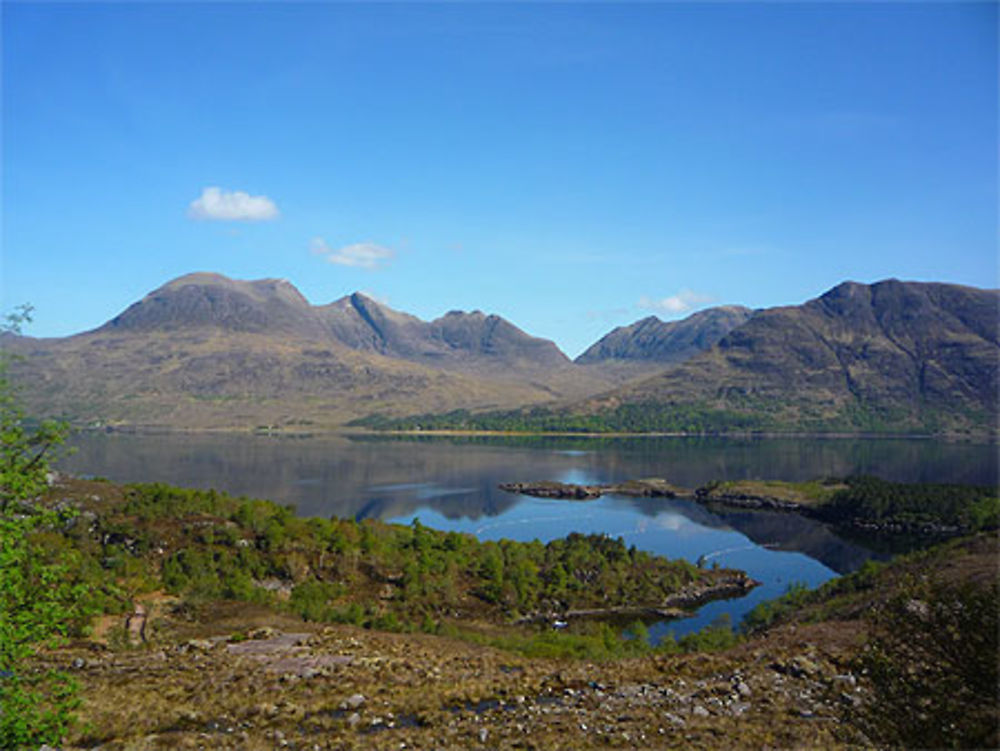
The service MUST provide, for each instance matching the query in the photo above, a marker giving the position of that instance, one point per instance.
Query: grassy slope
(205, 380)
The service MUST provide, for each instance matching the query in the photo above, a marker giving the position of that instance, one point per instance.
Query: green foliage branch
(39, 599)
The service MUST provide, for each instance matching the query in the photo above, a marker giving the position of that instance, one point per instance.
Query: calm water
(452, 484)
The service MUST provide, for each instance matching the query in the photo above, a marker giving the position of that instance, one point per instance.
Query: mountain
(207, 351)
(666, 342)
(459, 340)
(212, 301)
(456, 340)
(891, 355)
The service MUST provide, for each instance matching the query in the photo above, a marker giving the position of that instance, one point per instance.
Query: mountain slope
(887, 357)
(667, 342)
(457, 340)
(207, 351)
(905, 354)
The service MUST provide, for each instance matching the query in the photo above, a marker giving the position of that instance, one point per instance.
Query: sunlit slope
(207, 351)
(892, 354)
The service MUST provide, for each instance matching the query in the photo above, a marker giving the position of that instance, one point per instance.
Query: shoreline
(683, 604)
(350, 431)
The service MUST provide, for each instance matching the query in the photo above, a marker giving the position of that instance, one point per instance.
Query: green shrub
(931, 660)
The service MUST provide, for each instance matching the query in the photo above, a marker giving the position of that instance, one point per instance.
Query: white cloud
(683, 301)
(360, 255)
(217, 204)
(380, 299)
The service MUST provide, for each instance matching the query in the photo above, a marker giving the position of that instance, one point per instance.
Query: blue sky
(571, 167)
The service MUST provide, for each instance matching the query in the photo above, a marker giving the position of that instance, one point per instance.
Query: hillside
(892, 356)
(909, 354)
(666, 342)
(303, 641)
(205, 351)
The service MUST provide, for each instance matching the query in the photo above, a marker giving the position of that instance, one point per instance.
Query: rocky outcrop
(725, 586)
(554, 490)
(653, 487)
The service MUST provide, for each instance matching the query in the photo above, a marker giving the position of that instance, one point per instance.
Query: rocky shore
(814, 500)
(654, 487)
(679, 605)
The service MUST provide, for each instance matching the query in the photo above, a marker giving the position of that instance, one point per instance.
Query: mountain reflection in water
(452, 484)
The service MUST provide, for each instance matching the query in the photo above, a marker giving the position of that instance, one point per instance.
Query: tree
(24, 452)
(38, 599)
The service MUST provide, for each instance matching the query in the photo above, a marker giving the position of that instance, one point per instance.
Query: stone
(483, 735)
(743, 689)
(353, 701)
(699, 711)
(135, 624)
(850, 700)
(802, 666)
(739, 708)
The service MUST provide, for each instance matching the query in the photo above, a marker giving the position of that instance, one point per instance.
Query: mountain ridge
(651, 339)
(207, 351)
(204, 350)
(913, 353)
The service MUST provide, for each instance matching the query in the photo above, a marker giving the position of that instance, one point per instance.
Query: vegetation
(735, 414)
(932, 663)
(930, 657)
(639, 417)
(216, 546)
(914, 506)
(602, 640)
(40, 599)
(204, 546)
(827, 600)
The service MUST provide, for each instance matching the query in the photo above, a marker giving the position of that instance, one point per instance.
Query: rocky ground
(247, 678)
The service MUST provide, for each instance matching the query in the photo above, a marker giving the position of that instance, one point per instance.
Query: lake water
(451, 484)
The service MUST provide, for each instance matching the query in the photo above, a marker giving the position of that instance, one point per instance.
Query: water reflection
(452, 484)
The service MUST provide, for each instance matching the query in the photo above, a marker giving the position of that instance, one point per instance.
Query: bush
(931, 659)
(40, 600)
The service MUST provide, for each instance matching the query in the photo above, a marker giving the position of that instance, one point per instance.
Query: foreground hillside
(887, 357)
(203, 666)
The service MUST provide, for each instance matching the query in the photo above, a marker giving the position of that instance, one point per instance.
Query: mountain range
(206, 351)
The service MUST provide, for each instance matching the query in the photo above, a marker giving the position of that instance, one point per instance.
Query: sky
(571, 167)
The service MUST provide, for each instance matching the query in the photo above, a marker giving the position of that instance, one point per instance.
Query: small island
(866, 504)
(653, 487)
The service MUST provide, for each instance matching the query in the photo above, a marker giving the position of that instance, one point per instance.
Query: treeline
(639, 417)
(870, 501)
(205, 545)
(652, 416)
